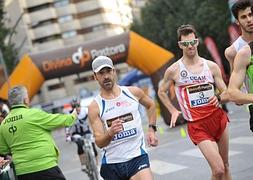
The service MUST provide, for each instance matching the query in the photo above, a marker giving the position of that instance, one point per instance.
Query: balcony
(45, 31)
(33, 3)
(43, 15)
(70, 25)
(65, 10)
(87, 6)
(73, 40)
(93, 20)
(106, 33)
(54, 44)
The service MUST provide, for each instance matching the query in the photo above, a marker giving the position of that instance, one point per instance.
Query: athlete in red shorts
(195, 80)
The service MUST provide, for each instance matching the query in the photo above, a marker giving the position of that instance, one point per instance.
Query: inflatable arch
(131, 48)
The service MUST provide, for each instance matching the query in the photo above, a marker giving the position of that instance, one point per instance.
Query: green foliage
(161, 18)
(8, 50)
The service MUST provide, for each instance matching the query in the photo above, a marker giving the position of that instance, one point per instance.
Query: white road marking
(197, 153)
(161, 167)
(248, 140)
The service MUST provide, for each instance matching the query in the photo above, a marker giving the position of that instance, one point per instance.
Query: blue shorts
(125, 170)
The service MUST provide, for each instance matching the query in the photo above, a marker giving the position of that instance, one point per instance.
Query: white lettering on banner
(77, 55)
(108, 51)
(82, 57)
(199, 95)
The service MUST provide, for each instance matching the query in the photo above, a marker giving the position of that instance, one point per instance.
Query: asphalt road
(176, 158)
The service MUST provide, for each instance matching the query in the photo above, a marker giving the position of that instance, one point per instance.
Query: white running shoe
(83, 168)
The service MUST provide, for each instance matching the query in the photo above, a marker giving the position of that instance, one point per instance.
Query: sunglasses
(187, 43)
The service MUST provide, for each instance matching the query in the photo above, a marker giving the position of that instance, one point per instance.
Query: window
(68, 34)
(98, 27)
(55, 86)
(60, 3)
(66, 18)
(84, 79)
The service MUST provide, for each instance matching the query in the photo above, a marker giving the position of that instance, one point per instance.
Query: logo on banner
(82, 57)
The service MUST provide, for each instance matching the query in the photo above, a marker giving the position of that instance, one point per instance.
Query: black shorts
(125, 170)
(251, 117)
(53, 173)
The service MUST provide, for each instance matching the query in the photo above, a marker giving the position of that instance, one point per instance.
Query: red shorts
(210, 128)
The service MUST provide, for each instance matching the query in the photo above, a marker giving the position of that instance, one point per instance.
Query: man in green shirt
(25, 133)
(243, 72)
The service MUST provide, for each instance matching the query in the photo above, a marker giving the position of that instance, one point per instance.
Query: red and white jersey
(193, 91)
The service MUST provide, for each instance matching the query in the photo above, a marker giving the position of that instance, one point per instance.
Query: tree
(161, 18)
(8, 49)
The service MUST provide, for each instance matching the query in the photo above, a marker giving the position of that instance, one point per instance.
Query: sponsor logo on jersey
(125, 134)
(183, 73)
(123, 103)
(13, 118)
(109, 109)
(197, 78)
(198, 102)
(125, 118)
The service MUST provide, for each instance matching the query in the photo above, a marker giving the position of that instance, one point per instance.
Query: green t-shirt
(26, 134)
(249, 71)
(249, 79)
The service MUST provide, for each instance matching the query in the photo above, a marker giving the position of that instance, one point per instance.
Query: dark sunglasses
(187, 43)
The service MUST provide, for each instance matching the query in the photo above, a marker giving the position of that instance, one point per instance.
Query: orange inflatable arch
(131, 48)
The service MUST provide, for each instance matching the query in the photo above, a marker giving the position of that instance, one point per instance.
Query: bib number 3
(199, 95)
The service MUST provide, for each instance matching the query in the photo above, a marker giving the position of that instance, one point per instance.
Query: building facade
(43, 25)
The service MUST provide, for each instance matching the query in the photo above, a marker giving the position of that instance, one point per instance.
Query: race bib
(199, 95)
(126, 118)
(129, 129)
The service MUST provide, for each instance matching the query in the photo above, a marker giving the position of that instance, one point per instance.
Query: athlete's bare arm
(149, 104)
(241, 63)
(219, 83)
(102, 136)
(230, 54)
(146, 101)
(170, 75)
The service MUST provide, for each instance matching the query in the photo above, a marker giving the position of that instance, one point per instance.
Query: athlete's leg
(223, 145)
(211, 152)
(139, 168)
(80, 152)
(143, 174)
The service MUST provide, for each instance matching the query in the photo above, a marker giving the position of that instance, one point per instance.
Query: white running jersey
(193, 92)
(239, 43)
(129, 143)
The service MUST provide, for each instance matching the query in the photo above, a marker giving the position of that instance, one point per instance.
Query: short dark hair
(240, 5)
(184, 30)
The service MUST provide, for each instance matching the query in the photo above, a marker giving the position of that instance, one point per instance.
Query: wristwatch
(153, 126)
(218, 97)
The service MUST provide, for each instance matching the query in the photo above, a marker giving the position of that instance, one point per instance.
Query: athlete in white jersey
(125, 107)
(189, 88)
(194, 78)
(117, 126)
(241, 10)
(79, 130)
(239, 43)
